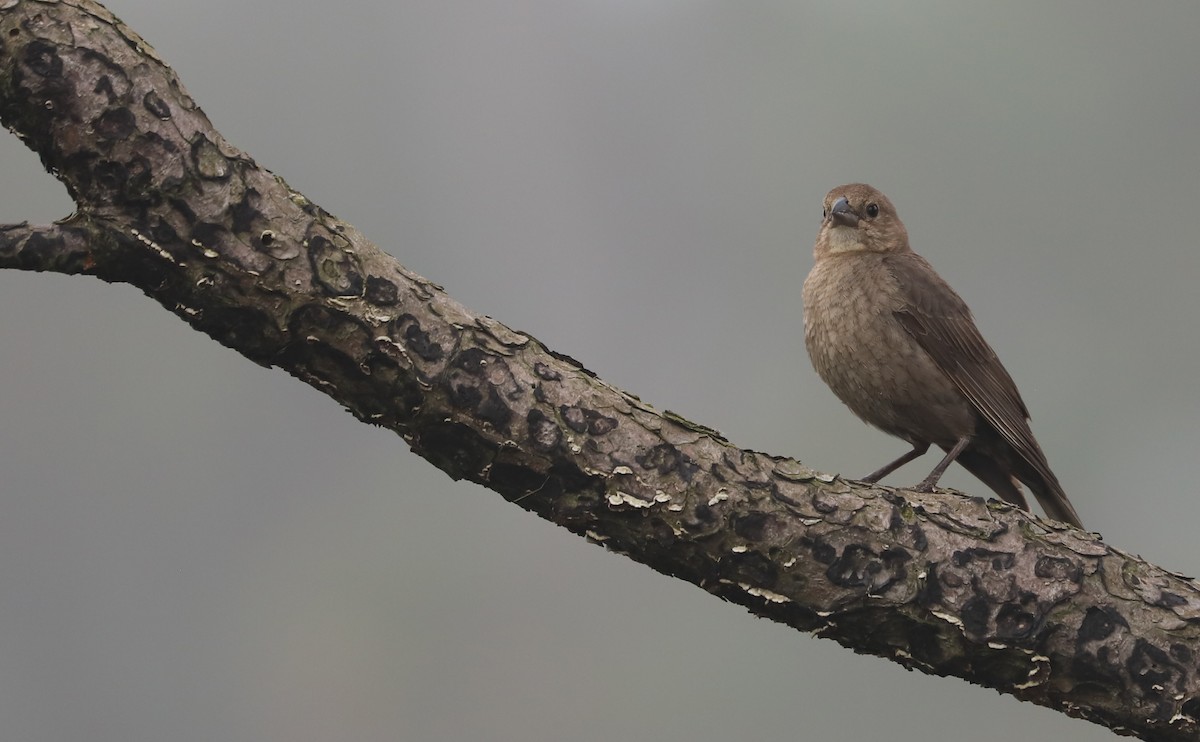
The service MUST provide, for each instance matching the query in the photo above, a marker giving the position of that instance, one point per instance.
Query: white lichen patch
(741, 549)
(949, 618)
(383, 341)
(617, 498)
(596, 536)
(721, 496)
(660, 496)
(1035, 675)
(152, 245)
(763, 593)
(622, 470)
(377, 318)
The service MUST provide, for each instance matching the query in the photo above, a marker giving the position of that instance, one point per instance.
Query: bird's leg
(918, 450)
(927, 484)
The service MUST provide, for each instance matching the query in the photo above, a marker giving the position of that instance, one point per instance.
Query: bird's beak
(842, 214)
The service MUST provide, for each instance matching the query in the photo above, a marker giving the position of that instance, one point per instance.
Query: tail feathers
(987, 470)
(1004, 482)
(1050, 496)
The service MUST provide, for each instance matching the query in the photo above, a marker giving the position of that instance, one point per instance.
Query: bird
(900, 348)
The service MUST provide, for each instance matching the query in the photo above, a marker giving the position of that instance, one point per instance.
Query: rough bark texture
(940, 583)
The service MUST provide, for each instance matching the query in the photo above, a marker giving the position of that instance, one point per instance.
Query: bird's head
(858, 218)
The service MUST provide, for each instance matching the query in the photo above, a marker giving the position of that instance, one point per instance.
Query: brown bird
(899, 347)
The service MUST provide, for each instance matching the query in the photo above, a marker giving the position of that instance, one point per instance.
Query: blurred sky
(196, 548)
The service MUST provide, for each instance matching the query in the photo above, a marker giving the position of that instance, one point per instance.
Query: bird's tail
(1004, 482)
(1050, 496)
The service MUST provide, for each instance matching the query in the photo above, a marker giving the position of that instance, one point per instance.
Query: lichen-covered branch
(937, 582)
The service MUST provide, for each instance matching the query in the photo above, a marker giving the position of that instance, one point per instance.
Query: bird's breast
(869, 360)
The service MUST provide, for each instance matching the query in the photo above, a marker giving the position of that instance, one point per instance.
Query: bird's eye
(872, 210)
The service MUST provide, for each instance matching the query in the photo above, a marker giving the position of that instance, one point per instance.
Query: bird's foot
(926, 485)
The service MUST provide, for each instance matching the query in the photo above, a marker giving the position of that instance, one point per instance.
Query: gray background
(196, 548)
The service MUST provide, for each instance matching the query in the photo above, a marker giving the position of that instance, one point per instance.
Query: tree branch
(58, 248)
(942, 583)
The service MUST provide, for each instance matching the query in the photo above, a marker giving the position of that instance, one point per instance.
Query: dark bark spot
(546, 373)
(39, 244)
(140, 171)
(1170, 600)
(919, 541)
(104, 87)
(245, 212)
(1099, 623)
(1000, 560)
(1149, 666)
(600, 424)
(123, 181)
(336, 271)
(156, 106)
(822, 504)
(468, 388)
(209, 161)
(752, 526)
(42, 59)
(573, 417)
(975, 614)
(417, 340)
(895, 558)
(382, 292)
(493, 410)
(209, 234)
(183, 208)
(1014, 622)
(1181, 653)
(544, 434)
(581, 419)
(663, 458)
(1057, 568)
(823, 551)
(162, 232)
(931, 593)
(858, 566)
(1191, 708)
(110, 176)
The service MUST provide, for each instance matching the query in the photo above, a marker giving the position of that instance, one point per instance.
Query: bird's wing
(939, 320)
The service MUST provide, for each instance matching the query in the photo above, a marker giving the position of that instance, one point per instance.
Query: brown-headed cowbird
(901, 350)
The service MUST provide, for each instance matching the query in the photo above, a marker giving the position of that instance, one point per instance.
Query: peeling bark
(941, 583)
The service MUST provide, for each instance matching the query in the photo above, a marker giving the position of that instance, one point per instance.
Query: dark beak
(842, 214)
